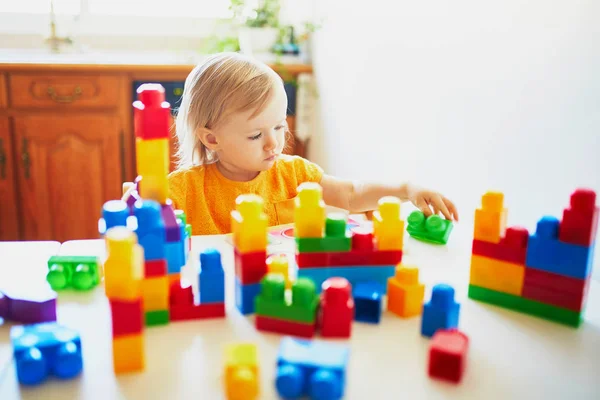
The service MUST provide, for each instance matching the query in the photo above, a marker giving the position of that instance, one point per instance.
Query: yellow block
(154, 187)
(278, 264)
(155, 292)
(404, 292)
(490, 219)
(309, 211)
(500, 276)
(388, 228)
(128, 354)
(124, 265)
(249, 224)
(152, 157)
(241, 372)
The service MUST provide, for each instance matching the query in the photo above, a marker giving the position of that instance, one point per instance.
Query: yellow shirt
(207, 197)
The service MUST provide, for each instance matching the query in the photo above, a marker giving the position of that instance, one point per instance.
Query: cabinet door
(9, 214)
(68, 167)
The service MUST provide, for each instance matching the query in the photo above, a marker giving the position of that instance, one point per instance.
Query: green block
(336, 225)
(180, 215)
(326, 244)
(160, 317)
(78, 272)
(433, 229)
(300, 307)
(188, 230)
(527, 306)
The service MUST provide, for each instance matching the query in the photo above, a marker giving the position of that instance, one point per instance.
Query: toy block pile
(242, 373)
(546, 274)
(78, 272)
(327, 248)
(249, 229)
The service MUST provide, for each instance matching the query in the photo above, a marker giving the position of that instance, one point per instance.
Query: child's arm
(360, 196)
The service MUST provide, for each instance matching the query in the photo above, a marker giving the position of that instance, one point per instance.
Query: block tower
(326, 248)
(546, 274)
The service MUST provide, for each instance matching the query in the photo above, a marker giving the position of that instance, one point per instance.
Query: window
(68, 7)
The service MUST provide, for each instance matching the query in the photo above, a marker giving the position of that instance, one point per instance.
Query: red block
(196, 311)
(155, 268)
(570, 301)
(348, 258)
(511, 248)
(284, 327)
(337, 308)
(362, 239)
(250, 267)
(127, 316)
(151, 113)
(448, 355)
(180, 295)
(554, 282)
(580, 221)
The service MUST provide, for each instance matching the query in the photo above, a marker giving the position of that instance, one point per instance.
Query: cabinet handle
(122, 154)
(25, 158)
(64, 99)
(2, 160)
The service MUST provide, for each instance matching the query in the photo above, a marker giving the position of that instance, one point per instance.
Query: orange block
(155, 292)
(241, 372)
(497, 275)
(128, 354)
(404, 292)
(490, 219)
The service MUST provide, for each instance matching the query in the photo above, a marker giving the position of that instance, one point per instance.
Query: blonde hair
(224, 84)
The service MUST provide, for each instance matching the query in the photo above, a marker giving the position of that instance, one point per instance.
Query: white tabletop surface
(511, 355)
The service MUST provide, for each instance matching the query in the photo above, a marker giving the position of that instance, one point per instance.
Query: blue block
(378, 273)
(175, 257)
(211, 277)
(244, 296)
(367, 302)
(441, 312)
(114, 213)
(150, 229)
(43, 349)
(311, 368)
(545, 252)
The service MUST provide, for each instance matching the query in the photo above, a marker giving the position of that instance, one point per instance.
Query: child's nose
(271, 142)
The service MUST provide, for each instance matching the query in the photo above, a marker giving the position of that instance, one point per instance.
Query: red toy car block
(448, 355)
(348, 258)
(196, 311)
(580, 221)
(250, 267)
(284, 327)
(155, 268)
(337, 308)
(554, 282)
(570, 301)
(151, 113)
(127, 316)
(511, 248)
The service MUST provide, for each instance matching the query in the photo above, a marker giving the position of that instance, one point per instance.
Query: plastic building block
(151, 113)
(123, 267)
(151, 229)
(311, 368)
(497, 275)
(580, 221)
(155, 292)
(175, 253)
(79, 272)
(278, 264)
(114, 213)
(242, 374)
(250, 267)
(388, 228)
(362, 239)
(555, 282)
(368, 303)
(432, 229)
(173, 225)
(128, 354)
(284, 326)
(182, 305)
(512, 247)
(531, 307)
(337, 237)
(43, 349)
(152, 157)
(249, 224)
(155, 268)
(354, 274)
(4, 306)
(126, 317)
(211, 277)
(404, 292)
(271, 302)
(156, 317)
(490, 219)
(554, 298)
(309, 211)
(348, 258)
(441, 312)
(245, 295)
(336, 311)
(27, 303)
(448, 355)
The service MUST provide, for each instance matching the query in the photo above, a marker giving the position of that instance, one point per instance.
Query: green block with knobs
(272, 301)
(432, 229)
(78, 272)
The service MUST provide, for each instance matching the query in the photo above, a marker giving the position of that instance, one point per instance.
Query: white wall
(463, 96)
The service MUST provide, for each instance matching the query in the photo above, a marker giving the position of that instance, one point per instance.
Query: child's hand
(426, 200)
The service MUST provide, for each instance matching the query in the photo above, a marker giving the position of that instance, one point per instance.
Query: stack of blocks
(327, 248)
(546, 274)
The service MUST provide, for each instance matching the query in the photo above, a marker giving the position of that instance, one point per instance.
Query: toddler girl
(231, 129)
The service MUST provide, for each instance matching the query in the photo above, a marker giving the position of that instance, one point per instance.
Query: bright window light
(69, 7)
(161, 8)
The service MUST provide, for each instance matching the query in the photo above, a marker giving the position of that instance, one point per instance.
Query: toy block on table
(242, 374)
(249, 224)
(490, 219)
(211, 277)
(405, 293)
(245, 295)
(174, 227)
(278, 264)
(175, 253)
(154, 268)
(353, 273)
(309, 211)
(43, 349)
(311, 369)
(580, 221)
(336, 311)
(78, 272)
(129, 353)
(150, 230)
(155, 293)
(301, 307)
(432, 229)
(511, 248)
(250, 267)
(337, 237)
(151, 113)
(114, 213)
(557, 290)
(497, 275)
(4, 305)
(368, 302)
(441, 312)
(27, 303)
(448, 355)
(388, 228)
(126, 316)
(183, 306)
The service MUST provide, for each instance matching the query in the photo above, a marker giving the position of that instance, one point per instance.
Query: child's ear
(208, 138)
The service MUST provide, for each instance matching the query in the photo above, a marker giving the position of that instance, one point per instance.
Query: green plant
(216, 44)
(266, 14)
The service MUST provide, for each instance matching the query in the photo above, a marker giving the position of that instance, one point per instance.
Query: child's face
(247, 146)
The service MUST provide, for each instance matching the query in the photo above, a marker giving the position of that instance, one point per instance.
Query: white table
(511, 355)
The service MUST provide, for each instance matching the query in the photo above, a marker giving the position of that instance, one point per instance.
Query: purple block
(30, 304)
(3, 306)
(171, 224)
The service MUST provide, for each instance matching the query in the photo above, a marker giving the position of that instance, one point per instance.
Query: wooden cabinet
(9, 217)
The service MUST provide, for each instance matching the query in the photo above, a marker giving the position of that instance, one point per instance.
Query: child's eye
(255, 136)
(279, 127)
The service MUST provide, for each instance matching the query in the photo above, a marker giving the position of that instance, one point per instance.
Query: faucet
(53, 40)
